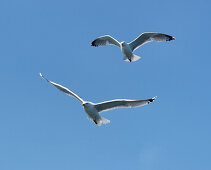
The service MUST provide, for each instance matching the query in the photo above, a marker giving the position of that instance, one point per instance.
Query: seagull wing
(120, 103)
(104, 40)
(148, 37)
(63, 89)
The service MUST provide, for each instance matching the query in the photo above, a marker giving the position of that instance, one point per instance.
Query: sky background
(42, 128)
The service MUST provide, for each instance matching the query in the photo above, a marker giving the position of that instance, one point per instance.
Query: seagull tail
(132, 59)
(100, 120)
(104, 120)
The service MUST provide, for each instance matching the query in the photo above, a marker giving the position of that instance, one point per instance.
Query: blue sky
(42, 128)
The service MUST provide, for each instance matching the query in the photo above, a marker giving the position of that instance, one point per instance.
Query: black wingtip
(152, 99)
(170, 38)
(94, 43)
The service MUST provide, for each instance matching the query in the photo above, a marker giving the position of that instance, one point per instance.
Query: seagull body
(128, 48)
(93, 114)
(93, 109)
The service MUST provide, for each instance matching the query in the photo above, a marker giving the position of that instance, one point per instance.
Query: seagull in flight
(93, 109)
(128, 48)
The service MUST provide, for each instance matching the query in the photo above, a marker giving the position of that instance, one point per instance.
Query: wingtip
(93, 43)
(171, 38)
(152, 99)
(43, 77)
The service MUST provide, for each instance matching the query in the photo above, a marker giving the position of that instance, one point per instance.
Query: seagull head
(86, 104)
(123, 43)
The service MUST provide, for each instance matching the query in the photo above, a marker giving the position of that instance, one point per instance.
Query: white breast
(126, 50)
(91, 110)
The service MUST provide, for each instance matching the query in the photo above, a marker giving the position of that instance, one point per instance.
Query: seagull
(93, 109)
(128, 48)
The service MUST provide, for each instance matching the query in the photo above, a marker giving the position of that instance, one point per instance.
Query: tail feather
(100, 120)
(132, 59)
(104, 120)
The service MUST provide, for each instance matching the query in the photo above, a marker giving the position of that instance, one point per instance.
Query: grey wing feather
(121, 103)
(63, 89)
(148, 37)
(104, 40)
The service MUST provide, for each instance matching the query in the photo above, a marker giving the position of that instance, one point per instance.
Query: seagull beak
(82, 104)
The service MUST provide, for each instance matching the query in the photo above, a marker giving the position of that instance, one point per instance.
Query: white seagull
(128, 48)
(93, 109)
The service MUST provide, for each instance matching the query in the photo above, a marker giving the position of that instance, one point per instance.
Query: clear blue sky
(42, 128)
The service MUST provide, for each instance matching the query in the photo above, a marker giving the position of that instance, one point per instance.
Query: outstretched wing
(104, 40)
(63, 89)
(148, 37)
(119, 103)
